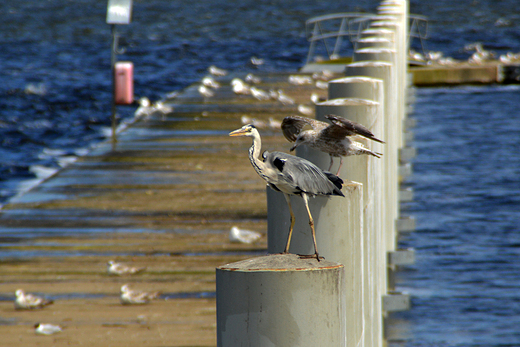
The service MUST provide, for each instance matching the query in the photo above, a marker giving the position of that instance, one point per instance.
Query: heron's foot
(310, 256)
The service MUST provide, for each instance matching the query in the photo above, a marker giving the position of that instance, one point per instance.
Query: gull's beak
(238, 132)
(293, 147)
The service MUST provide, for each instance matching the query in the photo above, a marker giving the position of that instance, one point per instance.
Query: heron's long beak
(238, 132)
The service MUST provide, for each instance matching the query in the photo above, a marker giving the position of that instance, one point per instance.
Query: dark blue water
(55, 96)
(466, 281)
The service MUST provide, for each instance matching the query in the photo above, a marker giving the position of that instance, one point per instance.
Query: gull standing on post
(292, 176)
(336, 139)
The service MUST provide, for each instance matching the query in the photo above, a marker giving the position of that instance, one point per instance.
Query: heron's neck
(254, 153)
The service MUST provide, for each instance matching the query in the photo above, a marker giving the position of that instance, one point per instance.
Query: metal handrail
(351, 24)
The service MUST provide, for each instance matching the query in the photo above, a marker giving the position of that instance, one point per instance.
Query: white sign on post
(119, 11)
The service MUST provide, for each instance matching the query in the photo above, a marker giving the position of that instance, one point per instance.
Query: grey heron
(336, 139)
(292, 176)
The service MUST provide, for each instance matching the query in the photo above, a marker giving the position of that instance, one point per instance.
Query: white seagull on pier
(26, 301)
(259, 94)
(46, 329)
(240, 87)
(114, 268)
(205, 91)
(215, 71)
(136, 297)
(210, 82)
(242, 235)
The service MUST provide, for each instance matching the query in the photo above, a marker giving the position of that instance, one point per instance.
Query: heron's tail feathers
(338, 183)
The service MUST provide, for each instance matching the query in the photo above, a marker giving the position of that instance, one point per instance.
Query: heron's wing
(293, 125)
(302, 175)
(352, 128)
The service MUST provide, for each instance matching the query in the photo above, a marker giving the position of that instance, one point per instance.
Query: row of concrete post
(280, 300)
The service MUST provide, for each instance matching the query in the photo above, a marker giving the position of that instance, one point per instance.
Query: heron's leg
(340, 163)
(331, 162)
(288, 199)
(311, 223)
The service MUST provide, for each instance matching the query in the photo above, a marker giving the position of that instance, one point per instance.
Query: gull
(322, 84)
(36, 89)
(300, 80)
(46, 328)
(257, 61)
(243, 236)
(172, 95)
(240, 87)
(274, 123)
(509, 57)
(162, 107)
(26, 301)
(415, 56)
(481, 55)
(257, 123)
(284, 98)
(130, 297)
(210, 82)
(215, 71)
(306, 110)
(253, 79)
(336, 139)
(315, 98)
(114, 268)
(324, 75)
(259, 93)
(205, 91)
(145, 108)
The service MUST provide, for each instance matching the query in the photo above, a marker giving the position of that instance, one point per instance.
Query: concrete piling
(281, 300)
(340, 238)
(358, 231)
(384, 71)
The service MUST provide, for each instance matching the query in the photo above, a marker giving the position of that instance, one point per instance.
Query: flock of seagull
(478, 57)
(128, 296)
(283, 172)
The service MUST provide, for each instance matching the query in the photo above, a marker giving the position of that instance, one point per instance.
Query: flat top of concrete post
(377, 31)
(374, 39)
(390, 10)
(279, 262)
(384, 23)
(348, 102)
(370, 63)
(356, 79)
(382, 17)
(393, 2)
(375, 50)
